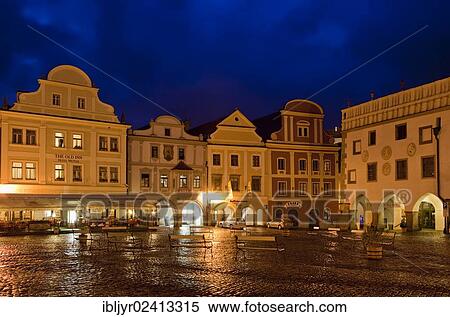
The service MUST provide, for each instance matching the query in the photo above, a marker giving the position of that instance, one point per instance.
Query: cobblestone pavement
(315, 265)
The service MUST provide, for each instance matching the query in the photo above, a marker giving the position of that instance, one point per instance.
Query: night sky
(202, 59)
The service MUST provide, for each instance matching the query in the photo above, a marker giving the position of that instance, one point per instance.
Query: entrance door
(427, 216)
(293, 216)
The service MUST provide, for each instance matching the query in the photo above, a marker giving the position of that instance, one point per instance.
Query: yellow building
(236, 160)
(59, 140)
(397, 157)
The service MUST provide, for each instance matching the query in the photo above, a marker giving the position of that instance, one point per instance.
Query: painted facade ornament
(365, 156)
(411, 149)
(386, 152)
(386, 169)
(168, 152)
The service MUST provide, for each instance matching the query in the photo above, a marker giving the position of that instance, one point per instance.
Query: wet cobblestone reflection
(315, 265)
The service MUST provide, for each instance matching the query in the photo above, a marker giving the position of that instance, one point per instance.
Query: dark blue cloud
(201, 59)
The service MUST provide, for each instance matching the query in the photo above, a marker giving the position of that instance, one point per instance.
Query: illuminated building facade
(59, 140)
(397, 157)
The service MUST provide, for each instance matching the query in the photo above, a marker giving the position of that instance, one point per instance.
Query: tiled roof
(206, 129)
(267, 125)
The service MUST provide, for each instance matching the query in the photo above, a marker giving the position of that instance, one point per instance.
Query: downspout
(437, 132)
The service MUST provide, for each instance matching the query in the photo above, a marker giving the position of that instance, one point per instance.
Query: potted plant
(404, 224)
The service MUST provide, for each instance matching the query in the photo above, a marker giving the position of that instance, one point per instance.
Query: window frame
(27, 169)
(422, 166)
(355, 151)
(376, 172)
(421, 129)
(369, 139)
(80, 179)
(27, 135)
(258, 189)
(349, 173)
(75, 139)
(283, 169)
(84, 103)
(256, 158)
(214, 156)
(280, 192)
(61, 171)
(153, 149)
(397, 170)
(231, 160)
(19, 135)
(18, 169)
(54, 94)
(63, 138)
(116, 149)
(397, 136)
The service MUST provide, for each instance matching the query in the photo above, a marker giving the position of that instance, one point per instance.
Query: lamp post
(436, 132)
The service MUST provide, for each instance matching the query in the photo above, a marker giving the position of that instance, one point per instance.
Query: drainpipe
(437, 132)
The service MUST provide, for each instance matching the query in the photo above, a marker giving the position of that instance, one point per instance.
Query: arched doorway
(249, 216)
(430, 212)
(390, 212)
(293, 216)
(363, 212)
(192, 214)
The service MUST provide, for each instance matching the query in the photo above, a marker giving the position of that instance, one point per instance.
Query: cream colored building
(59, 140)
(392, 160)
(165, 159)
(236, 160)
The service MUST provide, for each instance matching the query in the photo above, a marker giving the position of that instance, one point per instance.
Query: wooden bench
(128, 242)
(199, 230)
(257, 243)
(387, 239)
(177, 241)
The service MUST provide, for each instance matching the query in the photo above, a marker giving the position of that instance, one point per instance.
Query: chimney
(372, 95)
(402, 85)
(5, 105)
(122, 118)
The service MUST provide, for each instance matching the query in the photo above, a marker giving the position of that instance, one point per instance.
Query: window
(371, 172)
(183, 181)
(181, 154)
(303, 188)
(372, 139)
(145, 180)
(281, 164)
(356, 147)
(81, 103)
(327, 189)
(16, 170)
(426, 135)
(155, 151)
(315, 188)
(30, 137)
(59, 172)
(327, 167)
(216, 182)
(167, 132)
(401, 131)
(77, 141)
(302, 165)
(56, 100)
(302, 131)
(164, 181)
(76, 173)
(315, 165)
(234, 160)
(17, 136)
(103, 143)
(234, 179)
(351, 179)
(197, 181)
(278, 214)
(103, 174)
(30, 171)
(114, 144)
(114, 174)
(401, 169)
(256, 161)
(59, 139)
(428, 166)
(216, 159)
(282, 188)
(256, 183)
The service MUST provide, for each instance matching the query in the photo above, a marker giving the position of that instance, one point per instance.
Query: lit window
(56, 100)
(59, 172)
(315, 188)
(59, 139)
(303, 188)
(30, 171)
(282, 188)
(351, 177)
(114, 174)
(17, 136)
(30, 137)
(183, 181)
(103, 174)
(164, 181)
(103, 143)
(16, 170)
(357, 147)
(145, 180)
(114, 144)
(327, 167)
(77, 141)
(234, 160)
(81, 103)
(196, 181)
(76, 173)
